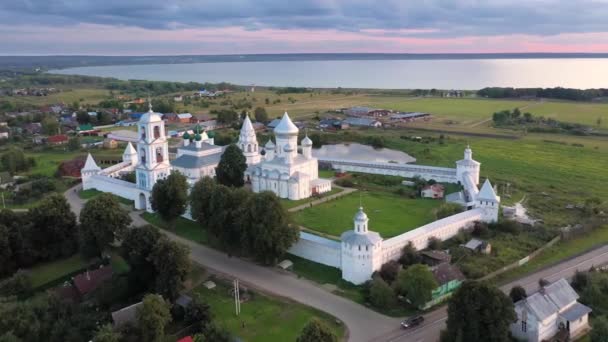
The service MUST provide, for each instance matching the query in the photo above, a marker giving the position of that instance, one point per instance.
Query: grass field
(187, 229)
(262, 318)
(81, 94)
(389, 214)
(557, 252)
(291, 204)
(48, 161)
(49, 271)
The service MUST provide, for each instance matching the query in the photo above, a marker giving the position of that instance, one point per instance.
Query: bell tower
(152, 150)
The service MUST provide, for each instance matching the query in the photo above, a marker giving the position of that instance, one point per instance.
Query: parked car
(412, 322)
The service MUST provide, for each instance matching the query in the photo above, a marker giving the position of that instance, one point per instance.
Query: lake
(383, 74)
(354, 151)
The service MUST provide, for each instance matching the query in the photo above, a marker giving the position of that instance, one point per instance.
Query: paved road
(363, 324)
(435, 321)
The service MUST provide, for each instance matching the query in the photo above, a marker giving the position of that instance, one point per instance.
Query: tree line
(551, 93)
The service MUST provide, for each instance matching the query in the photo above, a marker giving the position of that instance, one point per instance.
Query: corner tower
(361, 251)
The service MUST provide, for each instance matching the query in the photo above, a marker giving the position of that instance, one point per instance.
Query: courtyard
(389, 214)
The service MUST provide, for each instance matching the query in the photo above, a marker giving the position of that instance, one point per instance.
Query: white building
(552, 310)
(198, 157)
(248, 143)
(284, 171)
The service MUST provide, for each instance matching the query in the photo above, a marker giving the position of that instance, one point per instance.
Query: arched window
(143, 132)
(159, 154)
(156, 132)
(249, 148)
(143, 156)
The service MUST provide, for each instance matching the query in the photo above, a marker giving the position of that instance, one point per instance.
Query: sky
(182, 27)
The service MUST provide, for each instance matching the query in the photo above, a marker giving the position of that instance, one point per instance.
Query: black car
(412, 322)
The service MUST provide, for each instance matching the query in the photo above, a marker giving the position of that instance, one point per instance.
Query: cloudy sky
(171, 27)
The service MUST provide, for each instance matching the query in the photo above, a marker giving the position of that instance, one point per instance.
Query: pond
(359, 152)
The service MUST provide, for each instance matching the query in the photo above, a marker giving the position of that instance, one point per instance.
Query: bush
(409, 255)
(380, 294)
(447, 209)
(506, 226)
(389, 271)
(434, 243)
(19, 284)
(345, 182)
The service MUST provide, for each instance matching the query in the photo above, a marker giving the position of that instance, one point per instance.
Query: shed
(286, 264)
(125, 315)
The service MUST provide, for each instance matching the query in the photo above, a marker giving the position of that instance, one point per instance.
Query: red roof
(186, 339)
(57, 138)
(88, 281)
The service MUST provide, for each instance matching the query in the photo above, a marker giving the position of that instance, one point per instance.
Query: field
(68, 95)
(48, 161)
(46, 272)
(389, 214)
(262, 319)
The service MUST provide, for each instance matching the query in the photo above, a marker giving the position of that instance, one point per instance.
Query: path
(344, 192)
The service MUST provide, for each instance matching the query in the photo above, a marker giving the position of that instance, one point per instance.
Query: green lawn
(389, 214)
(185, 228)
(49, 271)
(48, 161)
(262, 318)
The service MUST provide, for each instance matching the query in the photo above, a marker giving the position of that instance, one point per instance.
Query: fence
(522, 261)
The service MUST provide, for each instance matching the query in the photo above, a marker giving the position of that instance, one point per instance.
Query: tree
(517, 293)
(380, 294)
(53, 232)
(317, 331)
(409, 255)
(7, 265)
(434, 243)
(599, 333)
(479, 312)
(172, 264)
(417, 284)
(74, 143)
(200, 199)
(261, 115)
(231, 168)
(227, 116)
(213, 332)
(137, 246)
(447, 209)
(170, 197)
(152, 317)
(102, 220)
(106, 333)
(198, 312)
(50, 126)
(267, 232)
(14, 161)
(389, 271)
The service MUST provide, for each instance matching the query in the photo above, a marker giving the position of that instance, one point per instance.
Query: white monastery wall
(443, 229)
(115, 186)
(440, 174)
(318, 249)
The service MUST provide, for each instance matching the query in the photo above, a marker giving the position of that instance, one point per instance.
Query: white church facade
(283, 170)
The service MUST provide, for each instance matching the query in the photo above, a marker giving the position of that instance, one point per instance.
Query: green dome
(197, 137)
(198, 129)
(211, 134)
(186, 136)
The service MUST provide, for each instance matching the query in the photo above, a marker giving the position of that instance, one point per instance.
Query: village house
(551, 312)
(184, 117)
(433, 191)
(33, 128)
(170, 117)
(178, 98)
(59, 139)
(357, 111)
(478, 246)
(449, 278)
(434, 258)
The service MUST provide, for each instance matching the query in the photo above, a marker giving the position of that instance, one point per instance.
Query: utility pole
(237, 298)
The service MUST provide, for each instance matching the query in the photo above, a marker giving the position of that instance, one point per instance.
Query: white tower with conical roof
(489, 201)
(361, 251)
(90, 169)
(152, 151)
(248, 142)
(286, 133)
(130, 155)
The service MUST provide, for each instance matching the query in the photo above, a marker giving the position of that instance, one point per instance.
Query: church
(278, 168)
(285, 171)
